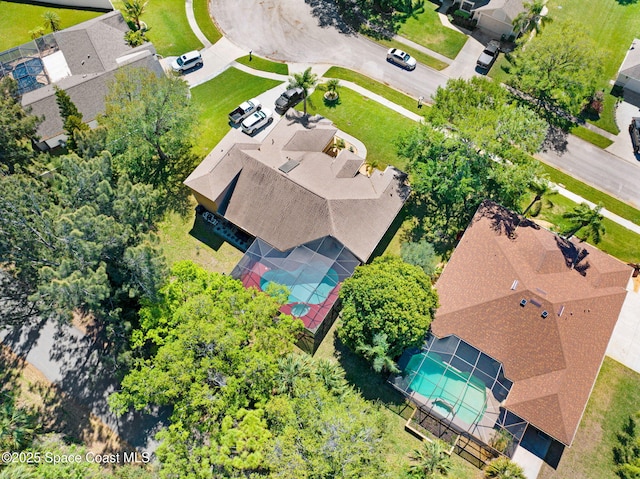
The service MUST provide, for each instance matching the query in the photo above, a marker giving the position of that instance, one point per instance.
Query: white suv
(187, 61)
(253, 123)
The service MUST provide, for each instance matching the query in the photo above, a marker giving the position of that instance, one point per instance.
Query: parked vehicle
(256, 121)
(288, 99)
(489, 55)
(634, 131)
(401, 58)
(187, 61)
(244, 110)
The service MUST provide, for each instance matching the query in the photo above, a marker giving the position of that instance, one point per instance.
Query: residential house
(495, 17)
(629, 72)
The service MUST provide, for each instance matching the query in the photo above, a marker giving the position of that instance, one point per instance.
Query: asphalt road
(299, 32)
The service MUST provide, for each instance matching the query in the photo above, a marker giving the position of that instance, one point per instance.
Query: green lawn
(201, 12)
(375, 125)
(374, 387)
(264, 64)
(591, 136)
(376, 87)
(17, 19)
(615, 397)
(418, 55)
(427, 30)
(218, 97)
(169, 29)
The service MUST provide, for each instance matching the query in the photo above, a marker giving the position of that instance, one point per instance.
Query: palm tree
(134, 9)
(503, 468)
(532, 17)
(332, 86)
(291, 369)
(543, 190)
(305, 80)
(432, 461)
(331, 375)
(378, 354)
(52, 20)
(17, 426)
(583, 216)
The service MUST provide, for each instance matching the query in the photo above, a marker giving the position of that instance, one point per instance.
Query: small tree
(420, 254)
(71, 117)
(305, 80)
(52, 20)
(134, 10)
(582, 216)
(332, 86)
(377, 354)
(503, 468)
(432, 461)
(531, 18)
(37, 32)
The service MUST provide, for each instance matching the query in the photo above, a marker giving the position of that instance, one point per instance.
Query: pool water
(451, 392)
(307, 285)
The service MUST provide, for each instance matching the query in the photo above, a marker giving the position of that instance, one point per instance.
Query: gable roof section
(631, 63)
(322, 196)
(553, 361)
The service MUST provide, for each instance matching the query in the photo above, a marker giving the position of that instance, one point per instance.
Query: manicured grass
(500, 69)
(592, 194)
(169, 29)
(375, 125)
(185, 238)
(419, 56)
(264, 65)
(427, 30)
(591, 136)
(607, 119)
(217, 97)
(17, 19)
(615, 397)
(618, 241)
(201, 12)
(376, 87)
(397, 410)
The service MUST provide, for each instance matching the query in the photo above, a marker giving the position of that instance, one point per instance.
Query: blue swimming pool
(307, 284)
(451, 392)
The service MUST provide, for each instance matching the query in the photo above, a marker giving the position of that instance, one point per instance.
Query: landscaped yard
(17, 19)
(427, 30)
(201, 12)
(218, 97)
(169, 29)
(264, 65)
(615, 397)
(375, 125)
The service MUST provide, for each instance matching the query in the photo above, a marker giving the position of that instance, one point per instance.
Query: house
(82, 60)
(310, 210)
(629, 72)
(524, 321)
(495, 17)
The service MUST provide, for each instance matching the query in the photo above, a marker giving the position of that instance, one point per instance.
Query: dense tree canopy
(626, 453)
(387, 297)
(560, 67)
(17, 128)
(450, 178)
(483, 112)
(150, 126)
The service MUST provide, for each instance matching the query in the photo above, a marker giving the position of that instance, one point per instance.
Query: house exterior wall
(493, 25)
(206, 202)
(631, 84)
(93, 4)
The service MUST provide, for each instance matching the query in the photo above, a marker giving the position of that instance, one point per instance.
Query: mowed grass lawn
(17, 19)
(375, 125)
(258, 63)
(219, 96)
(615, 397)
(427, 30)
(169, 29)
(201, 12)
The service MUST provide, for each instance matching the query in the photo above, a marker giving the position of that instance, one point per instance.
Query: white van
(187, 61)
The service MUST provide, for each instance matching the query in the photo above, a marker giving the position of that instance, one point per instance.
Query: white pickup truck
(244, 110)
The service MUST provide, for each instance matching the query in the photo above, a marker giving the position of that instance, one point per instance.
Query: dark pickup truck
(489, 55)
(244, 110)
(634, 131)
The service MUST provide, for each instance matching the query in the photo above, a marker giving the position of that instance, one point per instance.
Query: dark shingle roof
(553, 361)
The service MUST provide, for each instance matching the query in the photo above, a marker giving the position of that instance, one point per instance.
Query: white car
(187, 61)
(256, 121)
(401, 58)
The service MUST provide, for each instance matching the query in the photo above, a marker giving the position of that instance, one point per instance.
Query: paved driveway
(295, 31)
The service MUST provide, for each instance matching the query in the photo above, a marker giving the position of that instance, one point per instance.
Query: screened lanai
(26, 63)
(312, 273)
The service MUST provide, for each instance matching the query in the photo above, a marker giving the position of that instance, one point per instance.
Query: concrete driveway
(295, 31)
(622, 146)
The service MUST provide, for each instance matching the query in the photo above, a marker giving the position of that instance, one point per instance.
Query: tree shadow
(573, 255)
(556, 140)
(329, 16)
(627, 2)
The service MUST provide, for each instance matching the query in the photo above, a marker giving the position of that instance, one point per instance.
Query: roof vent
(561, 311)
(544, 314)
(514, 285)
(523, 302)
(288, 166)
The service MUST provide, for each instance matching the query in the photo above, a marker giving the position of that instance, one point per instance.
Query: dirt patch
(57, 412)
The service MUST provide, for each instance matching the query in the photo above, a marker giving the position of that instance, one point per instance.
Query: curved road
(295, 31)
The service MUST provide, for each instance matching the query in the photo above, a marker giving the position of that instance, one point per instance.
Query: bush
(135, 38)
(462, 14)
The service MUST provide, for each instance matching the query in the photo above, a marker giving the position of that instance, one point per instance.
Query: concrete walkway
(194, 25)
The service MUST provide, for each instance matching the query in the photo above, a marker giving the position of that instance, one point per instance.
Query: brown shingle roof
(552, 361)
(313, 200)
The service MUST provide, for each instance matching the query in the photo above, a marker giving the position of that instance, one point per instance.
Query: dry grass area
(57, 411)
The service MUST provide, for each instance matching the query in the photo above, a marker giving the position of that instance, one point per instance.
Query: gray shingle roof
(631, 63)
(311, 201)
(511, 8)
